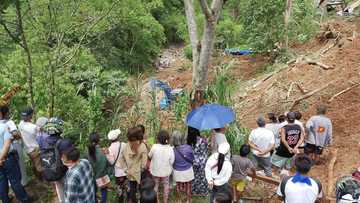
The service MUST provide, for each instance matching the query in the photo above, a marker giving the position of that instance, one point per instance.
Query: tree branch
(206, 10)
(96, 21)
(192, 27)
(216, 7)
(11, 35)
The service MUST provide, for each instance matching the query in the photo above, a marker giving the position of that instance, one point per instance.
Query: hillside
(337, 48)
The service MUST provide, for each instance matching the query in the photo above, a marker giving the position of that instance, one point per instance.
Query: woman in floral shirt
(200, 147)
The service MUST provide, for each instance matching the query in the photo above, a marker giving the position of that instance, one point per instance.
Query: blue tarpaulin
(237, 51)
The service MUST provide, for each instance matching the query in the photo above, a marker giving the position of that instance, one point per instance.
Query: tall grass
(220, 91)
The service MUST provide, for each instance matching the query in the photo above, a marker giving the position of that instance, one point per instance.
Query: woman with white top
(113, 154)
(162, 159)
(218, 170)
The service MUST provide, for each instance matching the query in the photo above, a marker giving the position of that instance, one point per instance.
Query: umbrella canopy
(210, 116)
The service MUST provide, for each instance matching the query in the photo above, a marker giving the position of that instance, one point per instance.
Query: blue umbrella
(210, 116)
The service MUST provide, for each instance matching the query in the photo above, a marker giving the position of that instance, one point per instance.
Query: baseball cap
(114, 134)
(27, 112)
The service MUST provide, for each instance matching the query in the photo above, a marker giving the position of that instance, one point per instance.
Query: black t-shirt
(292, 137)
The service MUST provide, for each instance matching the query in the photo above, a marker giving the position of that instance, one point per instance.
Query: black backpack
(347, 185)
(53, 168)
(287, 178)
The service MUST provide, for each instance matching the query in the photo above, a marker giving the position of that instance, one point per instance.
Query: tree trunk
(193, 34)
(25, 46)
(286, 21)
(202, 51)
(52, 90)
(201, 71)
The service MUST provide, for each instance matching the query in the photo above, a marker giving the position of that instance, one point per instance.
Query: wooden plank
(331, 165)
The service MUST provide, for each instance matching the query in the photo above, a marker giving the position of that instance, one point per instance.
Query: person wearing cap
(114, 154)
(79, 179)
(42, 135)
(29, 132)
(262, 142)
(218, 170)
(17, 143)
(319, 128)
(9, 168)
(54, 128)
(291, 139)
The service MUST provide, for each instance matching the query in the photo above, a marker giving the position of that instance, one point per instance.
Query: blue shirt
(4, 135)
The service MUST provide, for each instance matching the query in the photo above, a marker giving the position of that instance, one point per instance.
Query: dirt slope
(274, 94)
(344, 110)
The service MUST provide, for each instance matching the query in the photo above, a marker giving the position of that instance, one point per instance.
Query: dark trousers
(10, 172)
(217, 189)
(103, 192)
(133, 187)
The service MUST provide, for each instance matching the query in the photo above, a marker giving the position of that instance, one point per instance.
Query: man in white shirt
(300, 188)
(262, 141)
(29, 131)
(17, 143)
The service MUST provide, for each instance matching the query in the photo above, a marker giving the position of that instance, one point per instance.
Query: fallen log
(330, 186)
(337, 39)
(266, 179)
(343, 91)
(297, 101)
(323, 66)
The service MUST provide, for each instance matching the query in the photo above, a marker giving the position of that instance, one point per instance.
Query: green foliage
(263, 27)
(152, 117)
(188, 52)
(263, 23)
(181, 106)
(228, 33)
(221, 89)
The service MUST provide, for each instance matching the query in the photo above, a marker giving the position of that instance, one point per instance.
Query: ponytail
(94, 140)
(220, 163)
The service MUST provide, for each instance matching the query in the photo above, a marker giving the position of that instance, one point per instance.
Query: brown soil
(271, 94)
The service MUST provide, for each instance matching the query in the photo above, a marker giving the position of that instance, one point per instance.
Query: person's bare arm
(302, 137)
(283, 139)
(5, 151)
(252, 145)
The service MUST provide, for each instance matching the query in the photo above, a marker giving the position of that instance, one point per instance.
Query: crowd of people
(147, 173)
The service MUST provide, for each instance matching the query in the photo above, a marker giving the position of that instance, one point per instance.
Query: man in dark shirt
(291, 139)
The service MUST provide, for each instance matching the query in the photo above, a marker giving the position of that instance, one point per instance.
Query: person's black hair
(148, 196)
(73, 154)
(281, 118)
(4, 110)
(321, 109)
(163, 137)
(298, 115)
(134, 134)
(94, 140)
(220, 163)
(192, 136)
(303, 163)
(147, 183)
(224, 196)
(142, 128)
(244, 150)
(291, 117)
(272, 117)
(261, 122)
